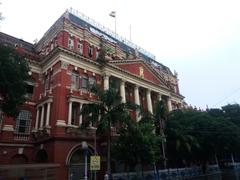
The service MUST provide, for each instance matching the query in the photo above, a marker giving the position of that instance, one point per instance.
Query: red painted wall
(134, 69)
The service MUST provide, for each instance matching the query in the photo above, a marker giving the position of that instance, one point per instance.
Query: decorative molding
(64, 65)
(7, 127)
(61, 123)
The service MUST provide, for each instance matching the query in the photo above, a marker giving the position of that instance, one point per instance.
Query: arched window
(23, 122)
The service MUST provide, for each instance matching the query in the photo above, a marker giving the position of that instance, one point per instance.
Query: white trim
(7, 127)
(75, 148)
(16, 145)
(49, 100)
(61, 123)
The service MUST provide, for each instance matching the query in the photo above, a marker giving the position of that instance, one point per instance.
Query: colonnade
(41, 108)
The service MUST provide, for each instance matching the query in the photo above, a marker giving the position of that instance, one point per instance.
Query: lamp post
(85, 150)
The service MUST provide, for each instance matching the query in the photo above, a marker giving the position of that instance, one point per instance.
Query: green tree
(160, 117)
(180, 143)
(200, 135)
(232, 113)
(13, 74)
(108, 112)
(138, 143)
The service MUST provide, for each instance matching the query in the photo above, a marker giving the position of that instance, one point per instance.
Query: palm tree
(160, 117)
(107, 112)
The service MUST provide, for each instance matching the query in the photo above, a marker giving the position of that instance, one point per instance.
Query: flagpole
(115, 35)
(113, 14)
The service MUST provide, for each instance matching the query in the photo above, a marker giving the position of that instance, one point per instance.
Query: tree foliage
(193, 135)
(138, 143)
(13, 74)
(106, 113)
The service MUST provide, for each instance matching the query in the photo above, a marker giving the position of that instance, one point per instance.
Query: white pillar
(149, 101)
(37, 119)
(48, 113)
(137, 101)
(69, 112)
(169, 104)
(136, 95)
(80, 117)
(42, 117)
(122, 91)
(106, 82)
(159, 97)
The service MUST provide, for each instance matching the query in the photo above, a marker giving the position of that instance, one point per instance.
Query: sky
(199, 39)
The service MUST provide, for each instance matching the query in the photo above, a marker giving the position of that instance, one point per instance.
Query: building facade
(64, 67)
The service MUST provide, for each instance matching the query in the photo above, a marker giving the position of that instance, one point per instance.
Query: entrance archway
(76, 163)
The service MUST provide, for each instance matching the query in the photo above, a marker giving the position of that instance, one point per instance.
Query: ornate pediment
(141, 69)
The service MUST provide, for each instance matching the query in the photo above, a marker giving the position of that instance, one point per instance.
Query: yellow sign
(94, 163)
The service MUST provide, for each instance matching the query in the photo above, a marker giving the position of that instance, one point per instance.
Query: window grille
(23, 122)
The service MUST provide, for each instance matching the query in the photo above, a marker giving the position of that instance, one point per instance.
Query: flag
(113, 14)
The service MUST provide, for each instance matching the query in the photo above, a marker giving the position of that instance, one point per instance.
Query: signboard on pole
(94, 163)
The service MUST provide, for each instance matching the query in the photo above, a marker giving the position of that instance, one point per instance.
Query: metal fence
(29, 172)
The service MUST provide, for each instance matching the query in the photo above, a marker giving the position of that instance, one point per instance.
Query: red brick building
(63, 68)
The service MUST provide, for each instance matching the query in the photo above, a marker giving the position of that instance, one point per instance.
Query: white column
(149, 101)
(48, 113)
(122, 91)
(69, 112)
(37, 119)
(159, 97)
(80, 117)
(106, 82)
(42, 117)
(136, 95)
(169, 104)
(137, 101)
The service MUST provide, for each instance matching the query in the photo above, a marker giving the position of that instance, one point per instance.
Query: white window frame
(23, 120)
(74, 80)
(90, 50)
(84, 78)
(80, 47)
(71, 42)
(91, 82)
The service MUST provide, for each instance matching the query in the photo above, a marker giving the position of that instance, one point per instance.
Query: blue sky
(200, 39)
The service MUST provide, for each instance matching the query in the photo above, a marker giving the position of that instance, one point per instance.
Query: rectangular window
(92, 82)
(84, 82)
(90, 51)
(23, 122)
(97, 53)
(80, 47)
(29, 89)
(75, 80)
(74, 118)
(70, 43)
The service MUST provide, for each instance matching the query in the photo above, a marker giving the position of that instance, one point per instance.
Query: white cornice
(77, 60)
